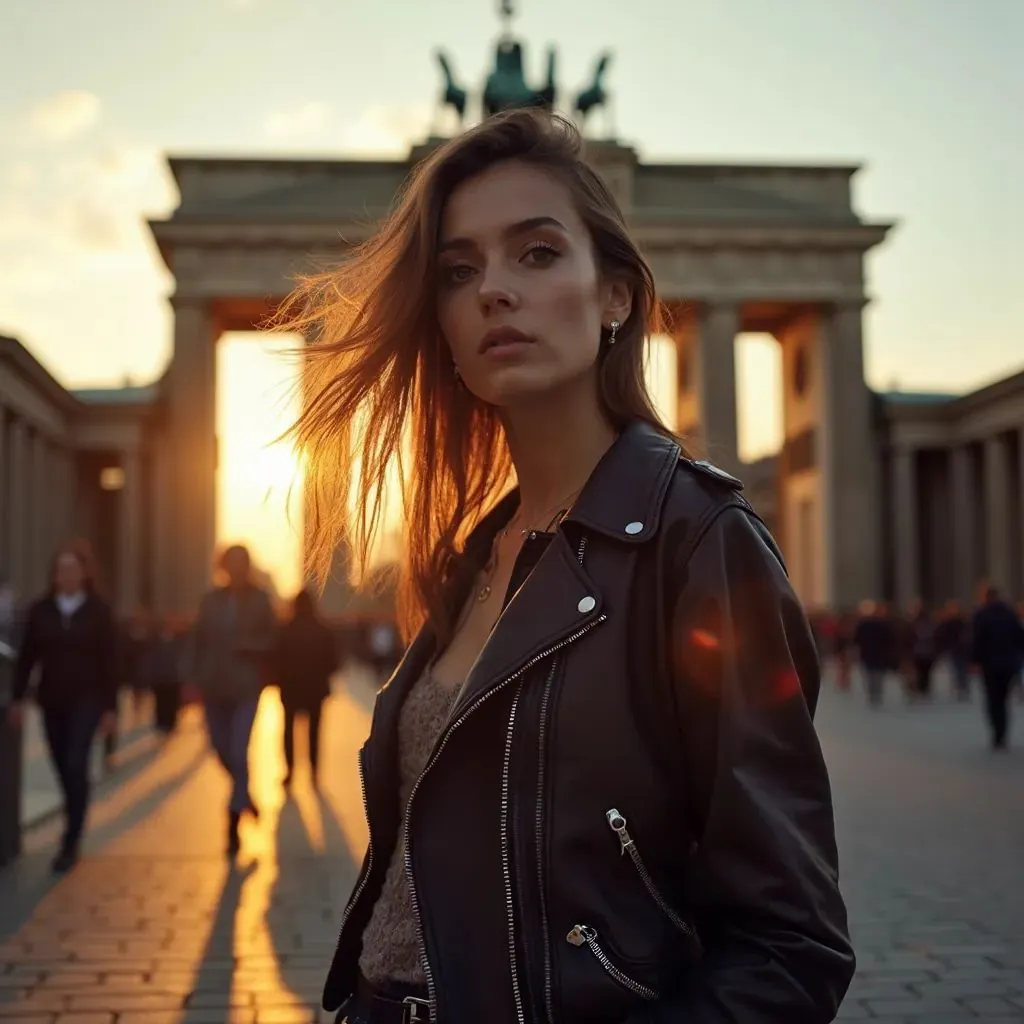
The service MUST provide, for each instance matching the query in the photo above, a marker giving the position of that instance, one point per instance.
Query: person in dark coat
(159, 670)
(919, 651)
(305, 658)
(226, 659)
(953, 639)
(70, 637)
(875, 640)
(998, 652)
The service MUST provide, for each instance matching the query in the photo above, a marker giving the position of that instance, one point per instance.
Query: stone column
(964, 525)
(5, 497)
(193, 446)
(706, 355)
(129, 534)
(17, 536)
(906, 532)
(849, 463)
(997, 512)
(160, 527)
(38, 513)
(1020, 509)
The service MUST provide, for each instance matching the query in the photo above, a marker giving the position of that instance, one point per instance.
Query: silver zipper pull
(617, 823)
(580, 935)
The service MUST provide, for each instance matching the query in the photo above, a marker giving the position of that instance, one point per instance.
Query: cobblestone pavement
(153, 927)
(931, 833)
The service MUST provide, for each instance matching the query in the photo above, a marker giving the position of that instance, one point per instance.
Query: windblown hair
(381, 399)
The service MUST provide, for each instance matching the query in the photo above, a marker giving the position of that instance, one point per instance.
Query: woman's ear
(618, 302)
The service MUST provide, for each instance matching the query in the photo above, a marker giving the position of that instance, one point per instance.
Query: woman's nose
(496, 291)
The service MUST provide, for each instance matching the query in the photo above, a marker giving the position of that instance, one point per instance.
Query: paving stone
(154, 927)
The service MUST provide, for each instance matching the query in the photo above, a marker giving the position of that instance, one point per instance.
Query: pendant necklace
(491, 565)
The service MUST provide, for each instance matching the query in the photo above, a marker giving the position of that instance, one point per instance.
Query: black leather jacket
(623, 771)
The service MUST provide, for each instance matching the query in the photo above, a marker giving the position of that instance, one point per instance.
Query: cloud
(383, 130)
(65, 115)
(308, 123)
(380, 130)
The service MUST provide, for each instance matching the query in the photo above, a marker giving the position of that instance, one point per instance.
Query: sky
(925, 94)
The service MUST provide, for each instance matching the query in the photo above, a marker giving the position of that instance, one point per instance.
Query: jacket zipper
(539, 838)
(584, 935)
(549, 1002)
(367, 867)
(506, 860)
(413, 895)
(617, 823)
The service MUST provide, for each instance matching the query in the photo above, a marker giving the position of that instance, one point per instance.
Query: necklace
(491, 565)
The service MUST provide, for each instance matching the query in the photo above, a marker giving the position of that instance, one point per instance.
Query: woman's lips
(503, 339)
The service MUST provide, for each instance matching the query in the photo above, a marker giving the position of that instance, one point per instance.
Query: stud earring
(614, 328)
(455, 370)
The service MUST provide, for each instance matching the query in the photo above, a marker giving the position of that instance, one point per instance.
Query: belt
(391, 1009)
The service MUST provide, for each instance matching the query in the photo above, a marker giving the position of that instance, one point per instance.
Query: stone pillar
(5, 498)
(1020, 509)
(964, 525)
(997, 512)
(161, 526)
(129, 534)
(850, 463)
(906, 523)
(17, 536)
(35, 480)
(192, 443)
(706, 357)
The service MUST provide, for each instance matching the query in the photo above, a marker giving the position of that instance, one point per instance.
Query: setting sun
(259, 479)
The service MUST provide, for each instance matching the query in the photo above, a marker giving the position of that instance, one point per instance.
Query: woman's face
(68, 577)
(521, 299)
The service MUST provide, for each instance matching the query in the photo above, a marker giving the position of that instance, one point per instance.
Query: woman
(69, 635)
(228, 659)
(306, 657)
(609, 659)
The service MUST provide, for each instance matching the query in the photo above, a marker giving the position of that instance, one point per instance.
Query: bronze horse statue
(453, 95)
(595, 95)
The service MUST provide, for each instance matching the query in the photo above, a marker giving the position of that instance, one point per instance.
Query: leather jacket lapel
(556, 600)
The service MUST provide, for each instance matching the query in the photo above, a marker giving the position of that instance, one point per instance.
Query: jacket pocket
(583, 935)
(617, 823)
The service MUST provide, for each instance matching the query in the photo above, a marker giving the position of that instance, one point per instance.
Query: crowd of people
(984, 644)
(80, 659)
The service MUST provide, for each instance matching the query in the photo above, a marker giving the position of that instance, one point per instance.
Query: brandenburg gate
(734, 248)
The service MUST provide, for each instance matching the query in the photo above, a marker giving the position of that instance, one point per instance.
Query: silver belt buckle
(417, 1011)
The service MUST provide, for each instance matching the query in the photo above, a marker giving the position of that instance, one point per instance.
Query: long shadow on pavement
(26, 882)
(315, 872)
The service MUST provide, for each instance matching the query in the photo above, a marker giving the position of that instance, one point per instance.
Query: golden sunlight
(259, 479)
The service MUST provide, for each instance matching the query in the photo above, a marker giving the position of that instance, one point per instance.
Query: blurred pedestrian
(228, 660)
(998, 651)
(953, 641)
(69, 636)
(159, 671)
(874, 640)
(919, 651)
(305, 659)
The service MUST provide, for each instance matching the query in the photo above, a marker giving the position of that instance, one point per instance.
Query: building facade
(872, 495)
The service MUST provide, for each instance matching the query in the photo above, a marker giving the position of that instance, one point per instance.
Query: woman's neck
(555, 444)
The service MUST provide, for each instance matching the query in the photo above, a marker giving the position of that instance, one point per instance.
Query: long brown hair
(378, 382)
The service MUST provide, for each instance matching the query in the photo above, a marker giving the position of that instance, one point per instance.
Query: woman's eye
(540, 254)
(456, 273)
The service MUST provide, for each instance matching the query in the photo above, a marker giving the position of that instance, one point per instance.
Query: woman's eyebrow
(518, 228)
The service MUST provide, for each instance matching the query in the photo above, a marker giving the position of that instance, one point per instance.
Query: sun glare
(259, 485)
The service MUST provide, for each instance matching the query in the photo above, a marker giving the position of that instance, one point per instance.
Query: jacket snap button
(634, 528)
(587, 604)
